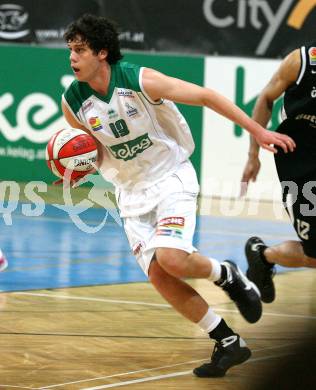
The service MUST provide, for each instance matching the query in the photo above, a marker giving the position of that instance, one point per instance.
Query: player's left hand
(250, 173)
(269, 139)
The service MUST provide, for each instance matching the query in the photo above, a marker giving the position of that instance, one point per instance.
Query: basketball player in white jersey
(144, 149)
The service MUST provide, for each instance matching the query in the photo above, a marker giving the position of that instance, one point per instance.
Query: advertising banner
(225, 145)
(42, 22)
(30, 92)
(260, 28)
(31, 84)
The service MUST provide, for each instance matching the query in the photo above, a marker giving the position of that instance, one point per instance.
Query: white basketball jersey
(144, 141)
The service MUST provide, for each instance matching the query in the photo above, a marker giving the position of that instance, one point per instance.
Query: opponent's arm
(285, 76)
(158, 85)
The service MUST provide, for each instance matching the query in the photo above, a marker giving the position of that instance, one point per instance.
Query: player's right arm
(73, 122)
(285, 76)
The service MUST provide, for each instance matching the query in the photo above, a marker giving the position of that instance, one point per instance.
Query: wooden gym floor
(126, 336)
(77, 314)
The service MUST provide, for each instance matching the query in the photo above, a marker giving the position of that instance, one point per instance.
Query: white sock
(216, 270)
(209, 321)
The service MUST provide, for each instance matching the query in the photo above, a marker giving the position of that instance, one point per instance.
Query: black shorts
(299, 200)
(297, 174)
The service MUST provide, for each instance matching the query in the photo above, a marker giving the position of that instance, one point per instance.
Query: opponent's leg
(261, 260)
(289, 254)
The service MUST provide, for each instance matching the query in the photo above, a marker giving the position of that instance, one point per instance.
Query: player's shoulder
(306, 52)
(72, 89)
(126, 65)
(127, 74)
(291, 65)
(77, 91)
(76, 94)
(294, 55)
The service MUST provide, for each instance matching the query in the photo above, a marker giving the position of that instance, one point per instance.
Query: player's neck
(100, 83)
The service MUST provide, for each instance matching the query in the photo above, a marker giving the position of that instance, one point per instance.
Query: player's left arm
(159, 86)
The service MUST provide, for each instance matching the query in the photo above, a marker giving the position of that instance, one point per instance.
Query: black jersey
(299, 113)
(300, 97)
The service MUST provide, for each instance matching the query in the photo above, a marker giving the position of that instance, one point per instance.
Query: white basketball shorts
(171, 222)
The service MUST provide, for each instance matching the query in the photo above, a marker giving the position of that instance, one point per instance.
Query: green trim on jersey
(75, 95)
(123, 75)
(127, 76)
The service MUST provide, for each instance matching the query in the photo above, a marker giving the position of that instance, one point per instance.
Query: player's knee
(172, 261)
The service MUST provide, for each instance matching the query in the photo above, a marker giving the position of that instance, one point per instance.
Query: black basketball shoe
(242, 291)
(260, 271)
(228, 352)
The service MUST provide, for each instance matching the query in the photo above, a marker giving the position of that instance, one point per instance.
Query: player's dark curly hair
(99, 33)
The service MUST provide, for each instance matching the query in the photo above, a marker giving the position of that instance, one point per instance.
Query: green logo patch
(129, 150)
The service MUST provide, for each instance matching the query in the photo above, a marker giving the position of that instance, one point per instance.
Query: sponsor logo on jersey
(138, 247)
(130, 111)
(312, 55)
(130, 149)
(172, 222)
(125, 92)
(170, 226)
(95, 123)
(169, 232)
(112, 113)
(306, 117)
(87, 105)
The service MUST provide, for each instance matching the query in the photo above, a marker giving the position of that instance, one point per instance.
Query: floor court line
(132, 382)
(172, 375)
(162, 305)
(156, 368)
(94, 299)
(122, 374)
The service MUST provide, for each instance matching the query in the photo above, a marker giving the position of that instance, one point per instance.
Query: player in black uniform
(297, 171)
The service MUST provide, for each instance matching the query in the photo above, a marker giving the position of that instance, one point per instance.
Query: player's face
(83, 61)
